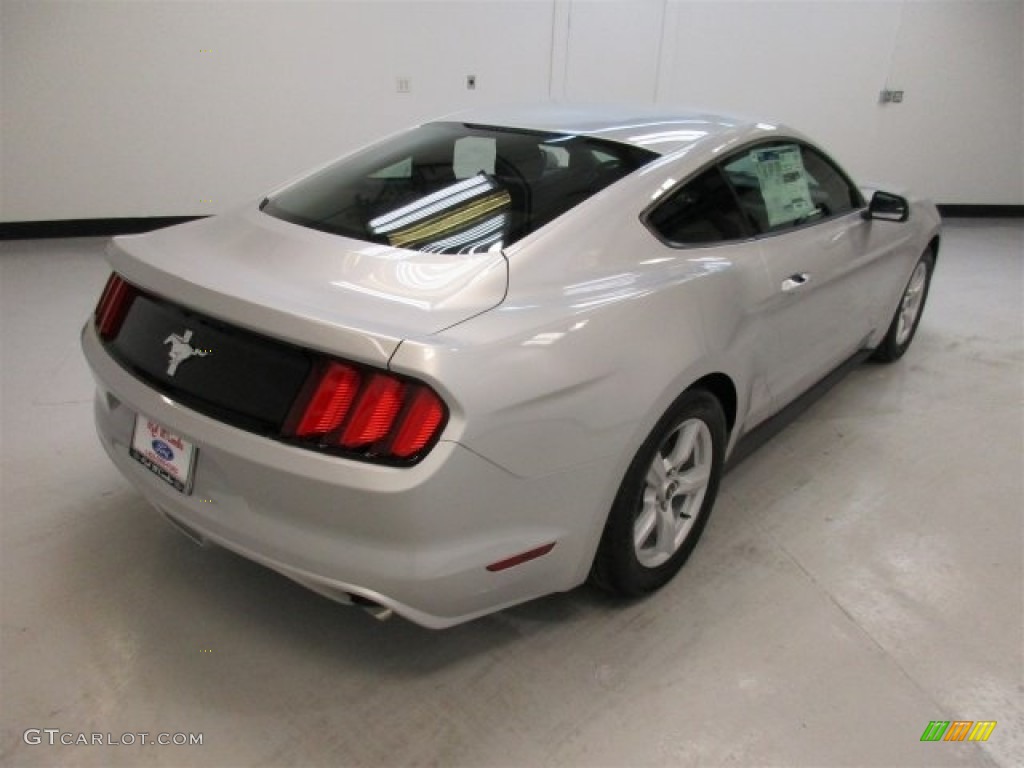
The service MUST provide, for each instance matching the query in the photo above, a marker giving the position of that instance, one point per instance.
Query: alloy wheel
(910, 306)
(674, 490)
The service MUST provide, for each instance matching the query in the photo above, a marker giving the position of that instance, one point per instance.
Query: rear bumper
(416, 540)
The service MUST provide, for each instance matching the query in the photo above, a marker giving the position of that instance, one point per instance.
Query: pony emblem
(181, 350)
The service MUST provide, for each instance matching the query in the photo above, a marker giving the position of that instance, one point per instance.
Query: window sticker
(783, 181)
(474, 154)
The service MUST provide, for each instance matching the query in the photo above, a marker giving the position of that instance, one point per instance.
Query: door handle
(793, 282)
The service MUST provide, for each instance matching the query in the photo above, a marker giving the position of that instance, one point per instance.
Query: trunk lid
(317, 290)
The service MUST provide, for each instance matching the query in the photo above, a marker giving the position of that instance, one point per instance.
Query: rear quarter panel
(568, 376)
(578, 364)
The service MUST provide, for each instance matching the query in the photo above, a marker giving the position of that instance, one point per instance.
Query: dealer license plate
(167, 455)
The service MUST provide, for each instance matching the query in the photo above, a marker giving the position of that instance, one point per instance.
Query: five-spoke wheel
(665, 498)
(676, 484)
(908, 313)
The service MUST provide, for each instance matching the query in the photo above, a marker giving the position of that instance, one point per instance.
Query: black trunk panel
(244, 378)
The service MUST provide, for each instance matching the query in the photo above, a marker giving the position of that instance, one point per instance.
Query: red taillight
(330, 401)
(113, 306)
(369, 412)
(420, 423)
(375, 413)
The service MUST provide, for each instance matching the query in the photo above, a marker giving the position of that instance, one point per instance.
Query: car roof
(662, 130)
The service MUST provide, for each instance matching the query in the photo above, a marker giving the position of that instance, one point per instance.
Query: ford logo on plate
(163, 450)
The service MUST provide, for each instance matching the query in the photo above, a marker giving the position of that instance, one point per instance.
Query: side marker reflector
(521, 558)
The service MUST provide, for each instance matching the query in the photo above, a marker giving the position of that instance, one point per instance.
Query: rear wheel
(908, 313)
(665, 498)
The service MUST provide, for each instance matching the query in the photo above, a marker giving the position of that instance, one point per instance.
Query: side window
(701, 211)
(831, 192)
(771, 184)
(784, 185)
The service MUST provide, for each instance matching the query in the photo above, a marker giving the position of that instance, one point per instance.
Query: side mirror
(887, 207)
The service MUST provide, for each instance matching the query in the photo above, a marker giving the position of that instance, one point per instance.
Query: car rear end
(313, 459)
(247, 385)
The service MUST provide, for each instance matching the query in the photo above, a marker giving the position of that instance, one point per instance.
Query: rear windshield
(454, 188)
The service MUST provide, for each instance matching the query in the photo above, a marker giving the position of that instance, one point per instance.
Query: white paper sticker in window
(783, 181)
(472, 155)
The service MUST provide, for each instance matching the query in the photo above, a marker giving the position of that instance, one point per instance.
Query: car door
(807, 214)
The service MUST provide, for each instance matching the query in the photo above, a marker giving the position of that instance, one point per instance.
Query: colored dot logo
(958, 730)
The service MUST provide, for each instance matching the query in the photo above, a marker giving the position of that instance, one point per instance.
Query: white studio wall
(168, 108)
(124, 109)
(967, 67)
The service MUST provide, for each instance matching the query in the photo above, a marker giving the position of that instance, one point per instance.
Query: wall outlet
(403, 84)
(470, 82)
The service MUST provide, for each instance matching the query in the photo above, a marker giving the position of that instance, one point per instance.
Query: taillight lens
(329, 404)
(425, 414)
(369, 412)
(113, 306)
(374, 414)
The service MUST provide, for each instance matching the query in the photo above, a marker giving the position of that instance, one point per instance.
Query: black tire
(900, 334)
(624, 566)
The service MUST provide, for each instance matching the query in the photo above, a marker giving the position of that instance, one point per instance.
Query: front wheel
(908, 313)
(665, 498)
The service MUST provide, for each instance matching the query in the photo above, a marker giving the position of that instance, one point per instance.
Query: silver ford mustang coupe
(495, 355)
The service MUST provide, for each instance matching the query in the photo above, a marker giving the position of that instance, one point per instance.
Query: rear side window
(455, 188)
(701, 211)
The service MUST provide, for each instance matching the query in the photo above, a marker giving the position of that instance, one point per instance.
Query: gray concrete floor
(861, 576)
